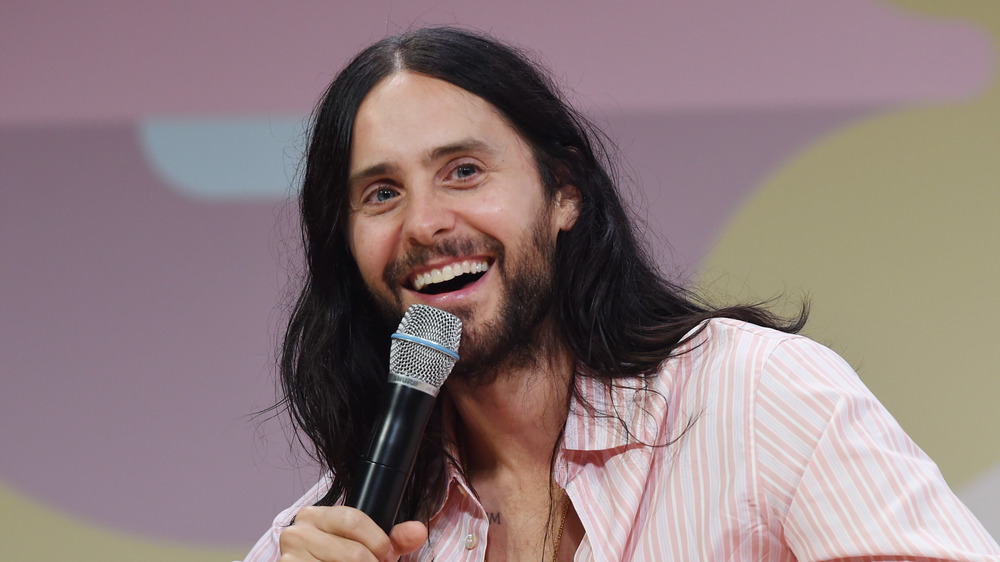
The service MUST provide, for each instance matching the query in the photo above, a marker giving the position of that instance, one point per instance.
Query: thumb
(406, 537)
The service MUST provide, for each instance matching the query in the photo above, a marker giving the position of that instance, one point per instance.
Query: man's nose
(428, 217)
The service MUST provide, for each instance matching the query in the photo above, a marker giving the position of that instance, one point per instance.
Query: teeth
(449, 272)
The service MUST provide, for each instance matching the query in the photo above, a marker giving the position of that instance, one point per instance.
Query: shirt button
(470, 542)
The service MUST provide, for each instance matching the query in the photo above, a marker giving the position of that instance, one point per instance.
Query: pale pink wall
(119, 60)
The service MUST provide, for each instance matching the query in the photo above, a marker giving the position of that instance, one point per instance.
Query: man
(598, 411)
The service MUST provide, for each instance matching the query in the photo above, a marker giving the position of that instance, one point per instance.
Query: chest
(523, 520)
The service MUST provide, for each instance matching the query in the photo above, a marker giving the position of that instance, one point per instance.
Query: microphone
(421, 355)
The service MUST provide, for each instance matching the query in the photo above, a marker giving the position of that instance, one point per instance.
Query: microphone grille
(420, 361)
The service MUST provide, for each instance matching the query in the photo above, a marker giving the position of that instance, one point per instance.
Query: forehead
(409, 114)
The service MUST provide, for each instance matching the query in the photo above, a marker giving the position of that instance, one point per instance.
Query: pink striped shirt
(752, 445)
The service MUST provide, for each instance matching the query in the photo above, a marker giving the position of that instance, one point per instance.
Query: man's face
(448, 210)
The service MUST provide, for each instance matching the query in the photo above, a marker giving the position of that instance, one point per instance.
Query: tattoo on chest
(494, 517)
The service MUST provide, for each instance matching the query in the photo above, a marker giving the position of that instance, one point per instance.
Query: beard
(521, 330)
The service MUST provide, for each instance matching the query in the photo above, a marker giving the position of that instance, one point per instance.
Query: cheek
(508, 214)
(371, 248)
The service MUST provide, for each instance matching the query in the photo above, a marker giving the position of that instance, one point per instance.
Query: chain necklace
(562, 524)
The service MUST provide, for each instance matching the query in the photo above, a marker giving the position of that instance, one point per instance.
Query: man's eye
(465, 171)
(383, 194)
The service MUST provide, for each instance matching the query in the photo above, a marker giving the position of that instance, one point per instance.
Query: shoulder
(738, 337)
(740, 371)
(728, 348)
(778, 363)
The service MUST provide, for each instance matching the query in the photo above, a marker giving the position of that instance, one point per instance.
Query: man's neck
(512, 423)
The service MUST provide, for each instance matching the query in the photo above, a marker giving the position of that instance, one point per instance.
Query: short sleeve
(842, 475)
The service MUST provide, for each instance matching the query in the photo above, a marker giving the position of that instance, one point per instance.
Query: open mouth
(450, 277)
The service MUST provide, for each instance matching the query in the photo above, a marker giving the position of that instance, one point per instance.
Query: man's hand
(329, 534)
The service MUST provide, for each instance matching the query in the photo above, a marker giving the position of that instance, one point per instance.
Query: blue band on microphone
(425, 343)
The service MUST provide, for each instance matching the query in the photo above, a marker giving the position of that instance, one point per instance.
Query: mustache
(397, 270)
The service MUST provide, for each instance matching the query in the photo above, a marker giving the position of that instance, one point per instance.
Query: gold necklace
(562, 523)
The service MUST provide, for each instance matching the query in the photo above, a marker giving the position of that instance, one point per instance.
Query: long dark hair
(615, 312)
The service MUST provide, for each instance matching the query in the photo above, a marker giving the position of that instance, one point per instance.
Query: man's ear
(566, 207)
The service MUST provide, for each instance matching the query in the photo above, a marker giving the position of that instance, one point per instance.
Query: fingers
(330, 534)
(406, 538)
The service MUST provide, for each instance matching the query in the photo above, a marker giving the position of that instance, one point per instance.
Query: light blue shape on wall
(215, 159)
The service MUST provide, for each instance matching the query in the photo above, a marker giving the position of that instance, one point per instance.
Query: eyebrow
(387, 168)
(380, 169)
(464, 145)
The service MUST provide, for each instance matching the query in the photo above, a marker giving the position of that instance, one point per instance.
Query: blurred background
(847, 152)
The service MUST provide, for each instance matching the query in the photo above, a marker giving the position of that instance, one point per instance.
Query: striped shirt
(748, 444)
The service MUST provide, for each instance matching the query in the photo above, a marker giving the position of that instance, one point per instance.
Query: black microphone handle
(380, 479)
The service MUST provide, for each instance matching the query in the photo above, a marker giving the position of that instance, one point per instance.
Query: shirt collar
(603, 416)
(606, 415)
